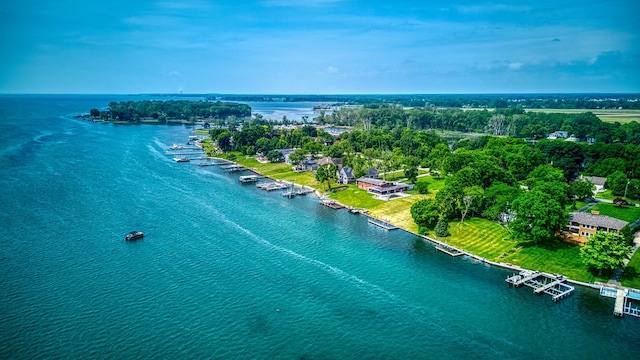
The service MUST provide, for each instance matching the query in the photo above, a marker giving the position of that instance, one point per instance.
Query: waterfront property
(345, 176)
(627, 300)
(583, 225)
(553, 285)
(381, 187)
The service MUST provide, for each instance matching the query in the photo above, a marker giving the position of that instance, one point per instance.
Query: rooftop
(597, 220)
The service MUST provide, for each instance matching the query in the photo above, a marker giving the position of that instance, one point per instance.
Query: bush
(442, 228)
(422, 187)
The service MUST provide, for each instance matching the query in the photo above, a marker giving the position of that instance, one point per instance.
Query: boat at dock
(176, 147)
(134, 235)
(181, 159)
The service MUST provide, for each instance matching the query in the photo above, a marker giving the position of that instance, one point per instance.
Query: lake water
(230, 271)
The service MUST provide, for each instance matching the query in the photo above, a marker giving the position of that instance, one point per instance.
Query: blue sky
(319, 46)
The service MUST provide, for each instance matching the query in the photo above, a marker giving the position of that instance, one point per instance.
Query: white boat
(181, 159)
(176, 147)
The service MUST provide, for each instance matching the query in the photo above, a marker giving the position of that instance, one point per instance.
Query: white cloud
(515, 66)
(332, 69)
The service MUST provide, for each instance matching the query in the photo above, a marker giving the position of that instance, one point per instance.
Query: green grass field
(631, 275)
(626, 213)
(351, 195)
(609, 115)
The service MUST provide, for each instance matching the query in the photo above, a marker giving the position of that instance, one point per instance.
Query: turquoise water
(231, 271)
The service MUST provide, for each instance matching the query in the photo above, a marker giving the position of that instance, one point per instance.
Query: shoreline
(436, 243)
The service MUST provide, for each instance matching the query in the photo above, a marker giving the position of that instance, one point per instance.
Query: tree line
(492, 101)
(134, 111)
(512, 121)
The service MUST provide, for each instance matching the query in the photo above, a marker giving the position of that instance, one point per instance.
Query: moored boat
(181, 159)
(134, 235)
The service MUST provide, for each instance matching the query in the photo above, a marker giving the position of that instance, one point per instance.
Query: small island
(167, 112)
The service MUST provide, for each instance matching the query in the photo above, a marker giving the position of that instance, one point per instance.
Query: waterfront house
(345, 175)
(582, 225)
(306, 165)
(329, 160)
(597, 181)
(381, 187)
(285, 154)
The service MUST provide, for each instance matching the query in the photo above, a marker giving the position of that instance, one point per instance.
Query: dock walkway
(382, 224)
(449, 250)
(618, 308)
(553, 285)
(331, 204)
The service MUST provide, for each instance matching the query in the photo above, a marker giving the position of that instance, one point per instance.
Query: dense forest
(163, 111)
(512, 121)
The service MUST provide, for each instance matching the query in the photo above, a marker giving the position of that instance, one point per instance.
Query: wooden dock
(248, 179)
(618, 308)
(331, 204)
(449, 250)
(271, 186)
(553, 285)
(382, 224)
(232, 168)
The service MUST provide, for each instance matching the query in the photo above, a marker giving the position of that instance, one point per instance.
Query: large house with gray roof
(582, 225)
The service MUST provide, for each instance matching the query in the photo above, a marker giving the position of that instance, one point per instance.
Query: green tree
(327, 172)
(422, 187)
(605, 251)
(411, 168)
(275, 156)
(297, 156)
(617, 182)
(438, 156)
(499, 197)
(538, 216)
(633, 189)
(442, 228)
(582, 189)
(425, 213)
(94, 112)
(224, 141)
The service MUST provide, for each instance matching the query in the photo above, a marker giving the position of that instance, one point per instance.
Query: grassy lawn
(481, 237)
(631, 275)
(434, 184)
(491, 241)
(607, 195)
(398, 211)
(351, 195)
(279, 171)
(555, 257)
(627, 213)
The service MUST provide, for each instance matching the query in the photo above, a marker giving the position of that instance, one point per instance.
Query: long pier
(449, 250)
(382, 224)
(232, 168)
(270, 186)
(553, 285)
